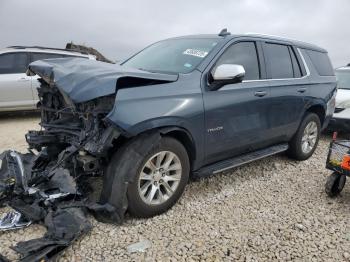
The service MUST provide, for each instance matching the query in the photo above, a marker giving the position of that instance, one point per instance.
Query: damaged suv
(194, 105)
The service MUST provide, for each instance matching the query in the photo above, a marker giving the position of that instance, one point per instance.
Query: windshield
(173, 55)
(343, 77)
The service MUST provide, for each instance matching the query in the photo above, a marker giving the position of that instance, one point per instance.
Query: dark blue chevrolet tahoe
(194, 105)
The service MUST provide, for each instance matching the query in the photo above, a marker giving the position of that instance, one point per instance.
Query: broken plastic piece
(139, 246)
(13, 220)
(18, 159)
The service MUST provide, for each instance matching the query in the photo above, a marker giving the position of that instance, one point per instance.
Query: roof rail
(46, 48)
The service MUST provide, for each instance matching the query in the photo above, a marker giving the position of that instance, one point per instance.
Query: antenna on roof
(224, 32)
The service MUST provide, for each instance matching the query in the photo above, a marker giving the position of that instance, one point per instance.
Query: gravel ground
(273, 209)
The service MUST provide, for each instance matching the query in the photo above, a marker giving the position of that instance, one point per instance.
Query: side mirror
(226, 74)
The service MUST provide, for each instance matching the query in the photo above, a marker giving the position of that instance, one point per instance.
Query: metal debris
(139, 246)
(13, 220)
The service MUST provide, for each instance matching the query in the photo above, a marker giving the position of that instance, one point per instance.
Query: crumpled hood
(82, 79)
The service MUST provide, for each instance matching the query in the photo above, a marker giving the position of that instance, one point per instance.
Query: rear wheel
(305, 141)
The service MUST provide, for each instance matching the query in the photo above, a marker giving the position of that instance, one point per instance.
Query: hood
(82, 79)
(342, 99)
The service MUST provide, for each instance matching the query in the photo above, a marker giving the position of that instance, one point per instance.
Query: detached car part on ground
(184, 110)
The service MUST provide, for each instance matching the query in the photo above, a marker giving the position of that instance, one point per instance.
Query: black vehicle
(194, 105)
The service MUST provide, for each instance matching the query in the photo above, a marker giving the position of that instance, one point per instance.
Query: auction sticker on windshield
(195, 52)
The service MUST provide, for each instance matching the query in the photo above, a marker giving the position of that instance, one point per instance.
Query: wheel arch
(184, 137)
(319, 110)
(179, 133)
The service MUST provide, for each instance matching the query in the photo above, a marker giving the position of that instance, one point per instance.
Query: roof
(45, 49)
(227, 37)
(298, 43)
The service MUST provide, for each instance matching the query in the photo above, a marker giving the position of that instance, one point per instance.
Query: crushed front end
(76, 142)
(79, 131)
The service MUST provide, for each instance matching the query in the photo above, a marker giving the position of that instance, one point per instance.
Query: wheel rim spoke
(145, 176)
(168, 189)
(151, 165)
(172, 178)
(145, 187)
(159, 159)
(174, 167)
(152, 193)
(168, 159)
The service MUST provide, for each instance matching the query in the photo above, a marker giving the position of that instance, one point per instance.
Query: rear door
(15, 85)
(288, 84)
(236, 114)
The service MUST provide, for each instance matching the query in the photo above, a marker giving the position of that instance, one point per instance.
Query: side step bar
(240, 160)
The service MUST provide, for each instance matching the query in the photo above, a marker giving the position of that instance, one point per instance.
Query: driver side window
(244, 54)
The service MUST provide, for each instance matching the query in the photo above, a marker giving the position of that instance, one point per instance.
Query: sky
(120, 28)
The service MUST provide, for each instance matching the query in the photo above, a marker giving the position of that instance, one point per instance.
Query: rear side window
(279, 61)
(321, 62)
(244, 54)
(13, 63)
(41, 56)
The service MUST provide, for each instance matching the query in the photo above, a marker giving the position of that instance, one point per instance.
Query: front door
(236, 114)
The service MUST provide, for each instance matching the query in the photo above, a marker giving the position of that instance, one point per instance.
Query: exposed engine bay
(50, 184)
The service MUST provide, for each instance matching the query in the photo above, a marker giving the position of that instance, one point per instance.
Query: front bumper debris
(49, 195)
(13, 220)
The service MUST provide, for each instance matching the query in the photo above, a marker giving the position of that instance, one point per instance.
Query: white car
(341, 117)
(17, 90)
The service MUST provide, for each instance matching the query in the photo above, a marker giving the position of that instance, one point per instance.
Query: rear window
(42, 56)
(321, 62)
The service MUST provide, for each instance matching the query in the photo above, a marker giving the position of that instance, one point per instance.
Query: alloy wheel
(159, 178)
(309, 138)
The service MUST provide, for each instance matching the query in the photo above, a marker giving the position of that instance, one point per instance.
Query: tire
(137, 202)
(335, 184)
(297, 148)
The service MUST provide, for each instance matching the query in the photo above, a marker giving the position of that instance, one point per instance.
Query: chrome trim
(304, 62)
(286, 79)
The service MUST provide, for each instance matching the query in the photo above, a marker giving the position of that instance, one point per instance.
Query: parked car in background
(17, 90)
(196, 105)
(341, 117)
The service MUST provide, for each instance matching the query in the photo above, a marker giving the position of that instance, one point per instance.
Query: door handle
(301, 90)
(23, 79)
(260, 93)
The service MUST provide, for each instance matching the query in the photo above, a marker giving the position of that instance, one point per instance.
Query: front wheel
(146, 176)
(305, 141)
(161, 176)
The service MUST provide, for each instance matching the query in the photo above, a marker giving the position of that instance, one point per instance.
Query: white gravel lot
(273, 209)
